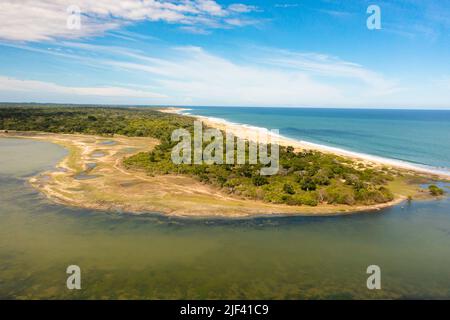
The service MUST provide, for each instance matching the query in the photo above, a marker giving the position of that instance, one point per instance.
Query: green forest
(304, 178)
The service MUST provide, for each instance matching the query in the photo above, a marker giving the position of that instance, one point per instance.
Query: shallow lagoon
(155, 257)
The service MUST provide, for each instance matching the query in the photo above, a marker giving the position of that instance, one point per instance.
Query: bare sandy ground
(92, 176)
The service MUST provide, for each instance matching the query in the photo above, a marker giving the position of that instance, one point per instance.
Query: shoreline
(250, 132)
(111, 187)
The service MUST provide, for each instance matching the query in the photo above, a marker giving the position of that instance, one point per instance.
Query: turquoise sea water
(416, 136)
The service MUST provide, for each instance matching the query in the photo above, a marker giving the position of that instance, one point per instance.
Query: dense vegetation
(96, 120)
(435, 190)
(307, 178)
(304, 178)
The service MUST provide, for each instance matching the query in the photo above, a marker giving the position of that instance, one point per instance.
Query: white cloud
(239, 7)
(41, 21)
(238, 22)
(331, 67)
(30, 20)
(195, 30)
(211, 7)
(286, 5)
(273, 77)
(193, 75)
(32, 86)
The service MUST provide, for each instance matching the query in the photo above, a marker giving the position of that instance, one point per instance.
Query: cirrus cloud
(11, 85)
(44, 20)
(193, 75)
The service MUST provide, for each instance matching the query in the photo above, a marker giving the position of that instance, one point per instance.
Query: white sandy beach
(251, 133)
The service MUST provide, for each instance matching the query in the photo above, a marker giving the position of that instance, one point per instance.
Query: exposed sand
(252, 133)
(109, 186)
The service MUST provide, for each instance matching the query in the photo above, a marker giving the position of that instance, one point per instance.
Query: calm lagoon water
(155, 257)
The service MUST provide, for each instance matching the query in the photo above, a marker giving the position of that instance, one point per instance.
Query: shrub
(289, 189)
(306, 198)
(259, 180)
(321, 178)
(435, 190)
(307, 184)
(340, 195)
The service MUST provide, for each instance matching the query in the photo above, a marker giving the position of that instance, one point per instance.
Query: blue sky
(240, 53)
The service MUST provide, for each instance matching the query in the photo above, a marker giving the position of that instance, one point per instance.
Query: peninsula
(119, 160)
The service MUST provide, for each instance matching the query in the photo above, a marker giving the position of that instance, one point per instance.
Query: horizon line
(231, 106)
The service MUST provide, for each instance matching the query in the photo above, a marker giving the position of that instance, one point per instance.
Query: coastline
(245, 131)
(109, 186)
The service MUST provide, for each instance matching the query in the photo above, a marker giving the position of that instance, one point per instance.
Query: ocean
(419, 137)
